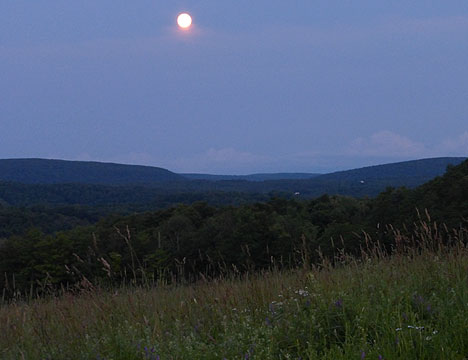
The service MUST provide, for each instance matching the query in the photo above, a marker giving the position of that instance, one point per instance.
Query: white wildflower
(416, 327)
(302, 292)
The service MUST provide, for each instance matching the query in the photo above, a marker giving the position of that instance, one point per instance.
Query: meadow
(407, 303)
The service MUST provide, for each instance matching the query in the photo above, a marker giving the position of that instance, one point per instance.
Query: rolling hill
(56, 207)
(27, 182)
(371, 180)
(366, 181)
(43, 171)
(424, 168)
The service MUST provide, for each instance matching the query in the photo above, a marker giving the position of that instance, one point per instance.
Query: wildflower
(271, 307)
(339, 303)
(416, 327)
(302, 292)
(249, 352)
(363, 354)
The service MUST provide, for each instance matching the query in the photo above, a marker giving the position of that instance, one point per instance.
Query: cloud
(457, 146)
(378, 148)
(388, 144)
(224, 160)
(391, 145)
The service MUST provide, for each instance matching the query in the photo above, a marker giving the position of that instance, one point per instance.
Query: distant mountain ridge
(26, 182)
(252, 177)
(430, 168)
(44, 171)
(371, 180)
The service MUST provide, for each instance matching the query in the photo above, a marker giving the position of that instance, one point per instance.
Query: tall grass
(410, 304)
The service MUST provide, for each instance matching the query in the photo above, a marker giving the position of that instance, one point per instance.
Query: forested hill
(415, 172)
(367, 181)
(42, 171)
(54, 182)
(444, 197)
(417, 169)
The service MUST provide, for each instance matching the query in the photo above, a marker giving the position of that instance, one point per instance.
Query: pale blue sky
(254, 86)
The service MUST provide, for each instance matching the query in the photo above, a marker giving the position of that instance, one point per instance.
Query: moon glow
(184, 21)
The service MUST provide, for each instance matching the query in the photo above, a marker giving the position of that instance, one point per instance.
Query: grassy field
(409, 305)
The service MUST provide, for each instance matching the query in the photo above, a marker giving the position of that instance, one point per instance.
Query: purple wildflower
(271, 307)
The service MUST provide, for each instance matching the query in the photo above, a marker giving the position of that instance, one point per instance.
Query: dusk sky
(252, 86)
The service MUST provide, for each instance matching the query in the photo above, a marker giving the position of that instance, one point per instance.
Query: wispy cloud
(387, 143)
(381, 147)
(223, 160)
(392, 145)
(457, 146)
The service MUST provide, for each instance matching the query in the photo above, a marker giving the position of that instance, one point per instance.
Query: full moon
(184, 20)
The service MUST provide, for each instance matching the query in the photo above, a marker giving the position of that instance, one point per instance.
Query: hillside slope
(445, 198)
(54, 182)
(423, 168)
(367, 181)
(42, 171)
